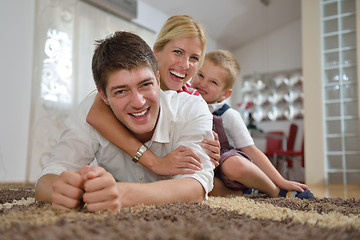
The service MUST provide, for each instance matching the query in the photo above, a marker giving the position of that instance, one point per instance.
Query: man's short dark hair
(120, 51)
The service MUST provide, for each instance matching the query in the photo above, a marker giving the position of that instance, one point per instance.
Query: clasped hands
(184, 161)
(92, 185)
(97, 188)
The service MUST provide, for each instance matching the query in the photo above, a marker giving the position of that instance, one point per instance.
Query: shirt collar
(215, 106)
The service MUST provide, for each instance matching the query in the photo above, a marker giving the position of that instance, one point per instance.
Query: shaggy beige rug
(246, 217)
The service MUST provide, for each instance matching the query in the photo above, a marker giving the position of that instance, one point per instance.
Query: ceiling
(233, 23)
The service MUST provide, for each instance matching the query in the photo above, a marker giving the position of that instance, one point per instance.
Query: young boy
(242, 164)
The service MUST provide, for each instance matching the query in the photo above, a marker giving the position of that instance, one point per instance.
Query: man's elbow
(42, 196)
(43, 188)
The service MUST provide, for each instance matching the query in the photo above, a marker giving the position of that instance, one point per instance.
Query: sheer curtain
(65, 34)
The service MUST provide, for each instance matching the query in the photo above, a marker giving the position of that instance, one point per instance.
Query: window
(340, 83)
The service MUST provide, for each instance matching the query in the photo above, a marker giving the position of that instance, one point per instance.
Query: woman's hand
(180, 161)
(213, 149)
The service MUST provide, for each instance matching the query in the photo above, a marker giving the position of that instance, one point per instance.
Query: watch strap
(139, 153)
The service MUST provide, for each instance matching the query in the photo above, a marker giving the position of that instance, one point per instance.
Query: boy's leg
(221, 190)
(240, 169)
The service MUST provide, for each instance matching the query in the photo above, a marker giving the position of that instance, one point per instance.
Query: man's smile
(140, 114)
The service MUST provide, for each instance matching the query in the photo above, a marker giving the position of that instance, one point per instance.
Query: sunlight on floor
(334, 191)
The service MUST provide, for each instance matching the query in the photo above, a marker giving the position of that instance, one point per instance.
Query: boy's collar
(215, 106)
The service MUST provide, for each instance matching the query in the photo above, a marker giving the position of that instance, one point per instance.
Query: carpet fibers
(245, 217)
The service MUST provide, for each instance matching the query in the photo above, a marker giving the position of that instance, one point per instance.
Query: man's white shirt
(184, 120)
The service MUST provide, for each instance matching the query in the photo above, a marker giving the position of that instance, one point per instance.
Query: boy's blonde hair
(226, 60)
(180, 26)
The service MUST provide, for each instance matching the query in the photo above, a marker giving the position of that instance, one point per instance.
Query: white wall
(150, 17)
(280, 50)
(17, 22)
(277, 51)
(154, 19)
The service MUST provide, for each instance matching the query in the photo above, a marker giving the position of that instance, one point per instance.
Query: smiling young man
(125, 72)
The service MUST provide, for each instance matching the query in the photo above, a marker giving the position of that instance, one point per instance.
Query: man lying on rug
(125, 72)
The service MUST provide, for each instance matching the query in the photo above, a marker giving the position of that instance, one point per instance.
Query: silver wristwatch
(139, 153)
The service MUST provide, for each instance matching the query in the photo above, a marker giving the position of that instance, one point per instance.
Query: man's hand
(67, 191)
(180, 161)
(213, 149)
(101, 190)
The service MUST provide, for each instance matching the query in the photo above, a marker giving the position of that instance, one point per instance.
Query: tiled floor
(340, 191)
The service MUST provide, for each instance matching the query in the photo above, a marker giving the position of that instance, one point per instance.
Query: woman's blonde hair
(180, 26)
